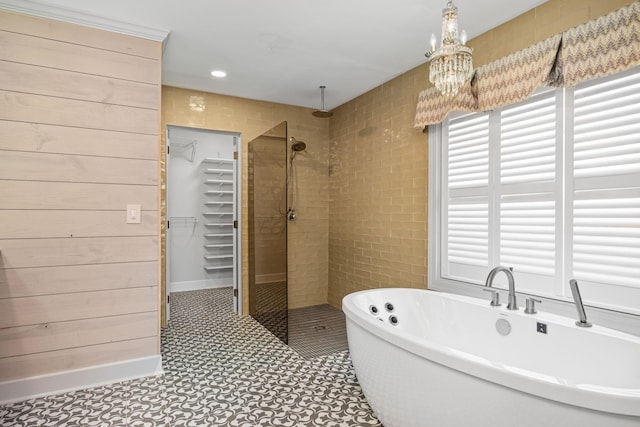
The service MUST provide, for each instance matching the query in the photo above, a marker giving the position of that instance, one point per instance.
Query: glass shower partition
(267, 184)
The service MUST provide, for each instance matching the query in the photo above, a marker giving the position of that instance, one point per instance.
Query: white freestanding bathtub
(426, 358)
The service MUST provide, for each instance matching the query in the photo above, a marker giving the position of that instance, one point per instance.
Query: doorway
(203, 198)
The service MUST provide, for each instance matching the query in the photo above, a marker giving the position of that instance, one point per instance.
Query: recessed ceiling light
(218, 73)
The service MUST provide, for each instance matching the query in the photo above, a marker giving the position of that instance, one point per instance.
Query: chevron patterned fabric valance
(597, 48)
(515, 77)
(604, 46)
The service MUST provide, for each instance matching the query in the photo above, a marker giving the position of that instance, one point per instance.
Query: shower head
(297, 145)
(322, 113)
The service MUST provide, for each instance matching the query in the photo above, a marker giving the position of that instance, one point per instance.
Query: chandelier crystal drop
(451, 64)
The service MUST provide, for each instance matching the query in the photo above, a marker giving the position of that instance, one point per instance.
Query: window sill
(624, 322)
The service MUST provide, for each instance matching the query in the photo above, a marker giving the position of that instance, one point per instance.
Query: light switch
(133, 214)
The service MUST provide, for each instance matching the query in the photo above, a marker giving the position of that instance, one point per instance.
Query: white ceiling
(283, 50)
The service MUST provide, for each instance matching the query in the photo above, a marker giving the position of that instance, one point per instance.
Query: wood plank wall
(79, 138)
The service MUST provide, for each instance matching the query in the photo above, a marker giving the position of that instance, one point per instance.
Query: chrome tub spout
(512, 303)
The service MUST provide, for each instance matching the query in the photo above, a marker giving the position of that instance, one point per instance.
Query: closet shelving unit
(218, 214)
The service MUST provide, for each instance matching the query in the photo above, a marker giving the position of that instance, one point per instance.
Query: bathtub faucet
(512, 305)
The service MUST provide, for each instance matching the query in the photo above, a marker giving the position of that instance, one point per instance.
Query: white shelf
(218, 171)
(211, 257)
(217, 235)
(218, 161)
(218, 181)
(218, 267)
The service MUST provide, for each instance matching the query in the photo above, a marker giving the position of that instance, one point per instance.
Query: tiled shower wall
(378, 192)
(308, 236)
(378, 162)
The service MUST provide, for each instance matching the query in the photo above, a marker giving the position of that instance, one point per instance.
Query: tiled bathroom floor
(220, 370)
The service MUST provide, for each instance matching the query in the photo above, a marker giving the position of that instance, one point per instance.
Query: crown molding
(45, 10)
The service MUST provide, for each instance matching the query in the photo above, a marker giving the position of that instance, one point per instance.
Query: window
(550, 187)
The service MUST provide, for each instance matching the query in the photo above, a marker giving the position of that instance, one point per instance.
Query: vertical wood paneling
(79, 132)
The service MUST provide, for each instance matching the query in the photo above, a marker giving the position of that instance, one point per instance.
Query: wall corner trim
(93, 376)
(35, 8)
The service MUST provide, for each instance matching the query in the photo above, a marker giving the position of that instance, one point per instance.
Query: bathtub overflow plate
(503, 327)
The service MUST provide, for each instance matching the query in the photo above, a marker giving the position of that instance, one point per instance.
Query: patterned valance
(604, 46)
(433, 106)
(515, 77)
(597, 48)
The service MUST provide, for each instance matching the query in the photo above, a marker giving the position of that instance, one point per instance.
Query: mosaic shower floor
(220, 370)
(317, 331)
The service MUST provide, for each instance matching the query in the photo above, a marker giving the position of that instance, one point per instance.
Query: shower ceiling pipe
(322, 113)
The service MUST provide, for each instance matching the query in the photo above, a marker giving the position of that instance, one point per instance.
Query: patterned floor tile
(220, 370)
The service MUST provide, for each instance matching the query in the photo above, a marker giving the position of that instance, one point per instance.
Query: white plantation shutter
(527, 236)
(466, 245)
(551, 187)
(468, 233)
(528, 140)
(606, 196)
(468, 152)
(528, 188)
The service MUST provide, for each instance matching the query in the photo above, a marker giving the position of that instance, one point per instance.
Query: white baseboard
(270, 278)
(195, 285)
(77, 379)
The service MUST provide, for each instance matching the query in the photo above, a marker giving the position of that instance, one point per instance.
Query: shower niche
(267, 209)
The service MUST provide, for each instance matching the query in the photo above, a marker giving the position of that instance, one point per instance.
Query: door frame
(237, 209)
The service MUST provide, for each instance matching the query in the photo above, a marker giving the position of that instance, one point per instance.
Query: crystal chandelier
(450, 65)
